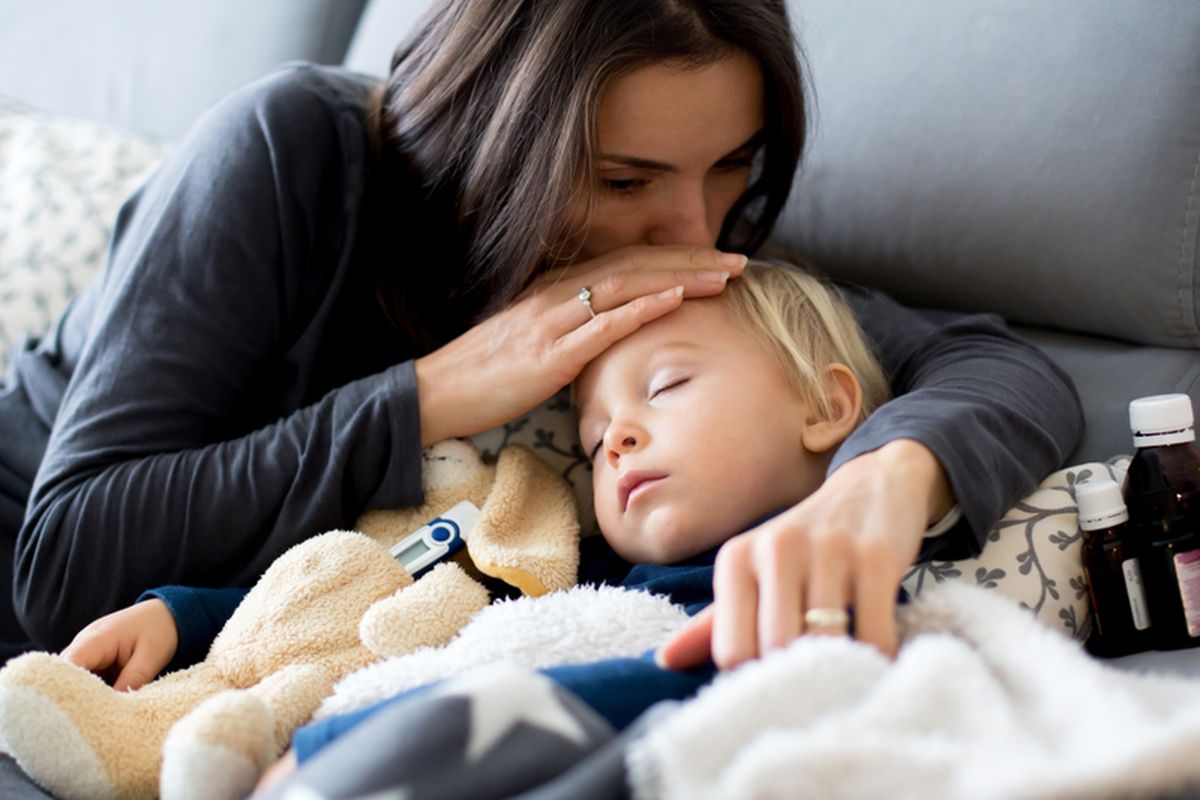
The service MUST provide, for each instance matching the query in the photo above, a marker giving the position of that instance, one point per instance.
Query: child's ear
(842, 390)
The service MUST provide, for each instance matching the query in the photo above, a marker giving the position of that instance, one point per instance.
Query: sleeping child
(698, 426)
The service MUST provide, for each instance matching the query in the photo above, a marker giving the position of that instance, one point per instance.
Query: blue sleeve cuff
(199, 616)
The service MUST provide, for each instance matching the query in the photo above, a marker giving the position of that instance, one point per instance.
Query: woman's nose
(683, 219)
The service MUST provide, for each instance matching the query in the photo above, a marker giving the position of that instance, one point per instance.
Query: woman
(323, 278)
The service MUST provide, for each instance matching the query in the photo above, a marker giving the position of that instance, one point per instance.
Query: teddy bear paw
(219, 750)
(41, 736)
(426, 614)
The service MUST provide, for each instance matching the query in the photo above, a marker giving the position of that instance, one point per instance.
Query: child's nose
(624, 442)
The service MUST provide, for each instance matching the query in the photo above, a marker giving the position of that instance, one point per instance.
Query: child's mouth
(633, 484)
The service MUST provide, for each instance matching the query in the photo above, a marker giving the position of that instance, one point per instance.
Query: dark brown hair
(493, 103)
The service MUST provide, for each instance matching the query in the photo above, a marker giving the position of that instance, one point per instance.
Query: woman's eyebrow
(662, 166)
(752, 143)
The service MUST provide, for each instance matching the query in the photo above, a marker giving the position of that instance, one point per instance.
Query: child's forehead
(696, 326)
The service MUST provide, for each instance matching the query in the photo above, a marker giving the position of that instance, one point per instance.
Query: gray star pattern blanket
(982, 702)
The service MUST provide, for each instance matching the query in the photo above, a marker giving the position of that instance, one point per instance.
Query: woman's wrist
(433, 402)
(916, 464)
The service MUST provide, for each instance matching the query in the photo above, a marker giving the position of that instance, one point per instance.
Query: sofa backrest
(155, 66)
(1039, 160)
(1036, 160)
(384, 23)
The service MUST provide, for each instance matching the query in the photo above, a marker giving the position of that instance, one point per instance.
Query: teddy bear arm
(427, 614)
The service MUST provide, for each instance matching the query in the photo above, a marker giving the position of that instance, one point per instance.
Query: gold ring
(827, 617)
(585, 297)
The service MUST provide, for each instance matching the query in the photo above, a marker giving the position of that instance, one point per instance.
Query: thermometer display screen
(438, 539)
(414, 551)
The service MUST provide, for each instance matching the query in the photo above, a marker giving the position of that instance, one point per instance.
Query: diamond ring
(585, 297)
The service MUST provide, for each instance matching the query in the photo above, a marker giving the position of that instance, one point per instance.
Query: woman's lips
(633, 482)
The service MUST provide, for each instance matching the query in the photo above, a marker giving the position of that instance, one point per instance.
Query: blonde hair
(807, 327)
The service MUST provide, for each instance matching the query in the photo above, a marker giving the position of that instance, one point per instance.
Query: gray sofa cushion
(1108, 374)
(384, 23)
(155, 66)
(1038, 160)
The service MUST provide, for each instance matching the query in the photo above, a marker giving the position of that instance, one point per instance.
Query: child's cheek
(604, 500)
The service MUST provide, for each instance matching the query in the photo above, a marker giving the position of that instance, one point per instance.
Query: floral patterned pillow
(1034, 555)
(550, 431)
(62, 181)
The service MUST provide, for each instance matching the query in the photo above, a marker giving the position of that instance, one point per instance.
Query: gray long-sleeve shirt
(230, 387)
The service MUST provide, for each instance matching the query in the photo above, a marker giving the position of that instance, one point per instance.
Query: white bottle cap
(1100, 504)
(1161, 419)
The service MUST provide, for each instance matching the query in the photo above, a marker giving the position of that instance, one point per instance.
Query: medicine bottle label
(1137, 593)
(1187, 571)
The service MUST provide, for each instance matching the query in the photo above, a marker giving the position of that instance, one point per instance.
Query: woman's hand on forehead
(521, 356)
(671, 264)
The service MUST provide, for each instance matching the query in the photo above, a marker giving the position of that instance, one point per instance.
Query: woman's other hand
(520, 357)
(128, 647)
(846, 546)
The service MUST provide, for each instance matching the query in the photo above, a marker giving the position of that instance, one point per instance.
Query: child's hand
(132, 645)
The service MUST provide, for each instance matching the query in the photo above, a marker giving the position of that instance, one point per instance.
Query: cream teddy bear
(325, 608)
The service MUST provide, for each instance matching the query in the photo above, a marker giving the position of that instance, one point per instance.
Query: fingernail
(732, 260)
(712, 276)
(660, 660)
(671, 294)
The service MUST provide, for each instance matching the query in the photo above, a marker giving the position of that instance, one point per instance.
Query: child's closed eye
(655, 391)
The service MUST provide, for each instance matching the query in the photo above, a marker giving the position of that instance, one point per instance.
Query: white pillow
(62, 181)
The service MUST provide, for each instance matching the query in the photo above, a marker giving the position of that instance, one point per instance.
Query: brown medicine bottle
(1120, 618)
(1162, 492)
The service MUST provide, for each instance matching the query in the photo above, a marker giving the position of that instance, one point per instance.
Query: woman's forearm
(996, 413)
(106, 523)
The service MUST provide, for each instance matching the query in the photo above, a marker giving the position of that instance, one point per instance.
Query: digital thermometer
(437, 539)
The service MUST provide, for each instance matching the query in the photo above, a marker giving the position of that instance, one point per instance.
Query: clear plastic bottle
(1162, 492)
(1120, 617)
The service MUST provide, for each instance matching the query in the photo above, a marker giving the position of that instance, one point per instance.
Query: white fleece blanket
(578, 626)
(982, 702)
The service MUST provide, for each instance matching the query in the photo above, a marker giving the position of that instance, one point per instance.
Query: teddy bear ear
(451, 471)
(528, 532)
(451, 463)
